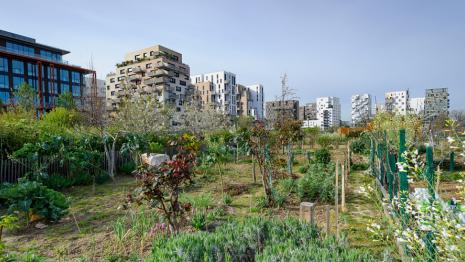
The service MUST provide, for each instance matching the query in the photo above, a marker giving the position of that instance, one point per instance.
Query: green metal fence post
(452, 161)
(403, 179)
(430, 170)
(392, 168)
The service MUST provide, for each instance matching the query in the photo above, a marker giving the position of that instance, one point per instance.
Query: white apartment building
(328, 112)
(256, 102)
(223, 90)
(417, 105)
(397, 102)
(361, 108)
(311, 123)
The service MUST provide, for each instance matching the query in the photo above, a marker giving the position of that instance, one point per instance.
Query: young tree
(198, 119)
(25, 97)
(66, 100)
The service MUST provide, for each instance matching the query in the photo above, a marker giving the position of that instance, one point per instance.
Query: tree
(66, 100)
(198, 119)
(459, 117)
(25, 97)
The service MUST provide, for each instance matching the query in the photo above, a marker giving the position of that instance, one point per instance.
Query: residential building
(397, 102)
(328, 112)
(436, 104)
(243, 97)
(308, 112)
(154, 70)
(23, 60)
(101, 88)
(417, 105)
(257, 98)
(287, 109)
(223, 90)
(311, 123)
(361, 109)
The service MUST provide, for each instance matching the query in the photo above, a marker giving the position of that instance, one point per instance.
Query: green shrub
(227, 200)
(322, 156)
(360, 145)
(57, 182)
(317, 184)
(288, 185)
(303, 169)
(359, 166)
(128, 168)
(31, 196)
(279, 198)
(199, 220)
(254, 239)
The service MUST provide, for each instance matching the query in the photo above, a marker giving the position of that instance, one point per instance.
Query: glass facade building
(23, 60)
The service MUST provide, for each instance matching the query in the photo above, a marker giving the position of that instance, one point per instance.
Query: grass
(88, 230)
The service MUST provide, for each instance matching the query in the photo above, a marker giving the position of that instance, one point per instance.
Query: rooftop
(30, 41)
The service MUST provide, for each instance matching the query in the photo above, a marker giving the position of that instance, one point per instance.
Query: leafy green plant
(317, 183)
(322, 156)
(359, 166)
(9, 222)
(199, 220)
(227, 199)
(288, 185)
(360, 145)
(31, 197)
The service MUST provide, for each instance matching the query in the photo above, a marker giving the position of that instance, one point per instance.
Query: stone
(154, 159)
(40, 225)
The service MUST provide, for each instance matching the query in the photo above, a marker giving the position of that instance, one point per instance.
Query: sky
(327, 48)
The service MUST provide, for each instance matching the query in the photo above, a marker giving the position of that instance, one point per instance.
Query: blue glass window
(76, 77)
(3, 64)
(32, 69)
(64, 75)
(5, 96)
(20, 49)
(53, 89)
(76, 90)
(4, 83)
(64, 88)
(17, 81)
(18, 67)
(50, 55)
(33, 83)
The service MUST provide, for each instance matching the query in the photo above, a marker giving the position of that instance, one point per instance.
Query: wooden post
(337, 199)
(254, 174)
(343, 191)
(327, 220)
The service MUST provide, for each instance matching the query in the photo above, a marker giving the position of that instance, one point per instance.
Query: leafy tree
(66, 100)
(25, 97)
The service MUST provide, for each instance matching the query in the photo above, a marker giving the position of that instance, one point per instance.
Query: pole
(337, 200)
(343, 191)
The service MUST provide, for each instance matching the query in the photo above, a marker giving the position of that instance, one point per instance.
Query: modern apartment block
(436, 104)
(417, 105)
(257, 98)
(328, 112)
(397, 102)
(288, 109)
(155, 70)
(23, 60)
(243, 97)
(223, 90)
(308, 112)
(361, 109)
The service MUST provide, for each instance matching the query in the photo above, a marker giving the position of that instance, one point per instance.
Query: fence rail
(13, 169)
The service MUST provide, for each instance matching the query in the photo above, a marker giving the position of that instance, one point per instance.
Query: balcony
(156, 81)
(162, 72)
(165, 65)
(138, 70)
(134, 78)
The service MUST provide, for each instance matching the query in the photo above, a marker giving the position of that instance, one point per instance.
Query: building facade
(328, 112)
(397, 102)
(23, 60)
(155, 70)
(223, 90)
(417, 105)
(288, 109)
(256, 102)
(437, 104)
(308, 112)
(361, 109)
(243, 97)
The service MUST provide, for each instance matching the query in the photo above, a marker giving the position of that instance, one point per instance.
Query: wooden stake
(343, 191)
(327, 220)
(337, 200)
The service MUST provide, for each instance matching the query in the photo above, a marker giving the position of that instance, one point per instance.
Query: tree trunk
(254, 174)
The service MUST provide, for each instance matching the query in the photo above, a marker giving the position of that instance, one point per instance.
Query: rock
(40, 225)
(154, 159)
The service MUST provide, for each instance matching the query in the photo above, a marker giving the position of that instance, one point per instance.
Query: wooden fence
(13, 169)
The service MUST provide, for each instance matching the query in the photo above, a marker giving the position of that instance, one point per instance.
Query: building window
(64, 75)
(20, 49)
(112, 93)
(176, 74)
(64, 88)
(112, 80)
(117, 86)
(172, 80)
(178, 88)
(148, 66)
(18, 67)
(76, 90)
(76, 77)
(121, 78)
(3, 64)
(183, 83)
(4, 83)
(4, 96)
(137, 57)
(17, 81)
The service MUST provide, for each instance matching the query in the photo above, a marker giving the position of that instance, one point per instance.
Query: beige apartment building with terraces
(153, 70)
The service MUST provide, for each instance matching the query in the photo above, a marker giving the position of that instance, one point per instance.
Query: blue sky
(327, 48)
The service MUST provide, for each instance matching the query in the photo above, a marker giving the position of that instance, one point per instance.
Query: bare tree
(199, 119)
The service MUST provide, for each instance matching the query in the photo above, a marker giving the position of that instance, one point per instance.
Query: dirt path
(363, 209)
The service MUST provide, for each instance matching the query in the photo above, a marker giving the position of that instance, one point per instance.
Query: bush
(288, 185)
(128, 168)
(254, 239)
(199, 220)
(317, 184)
(227, 200)
(359, 166)
(322, 156)
(303, 169)
(360, 145)
(33, 197)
